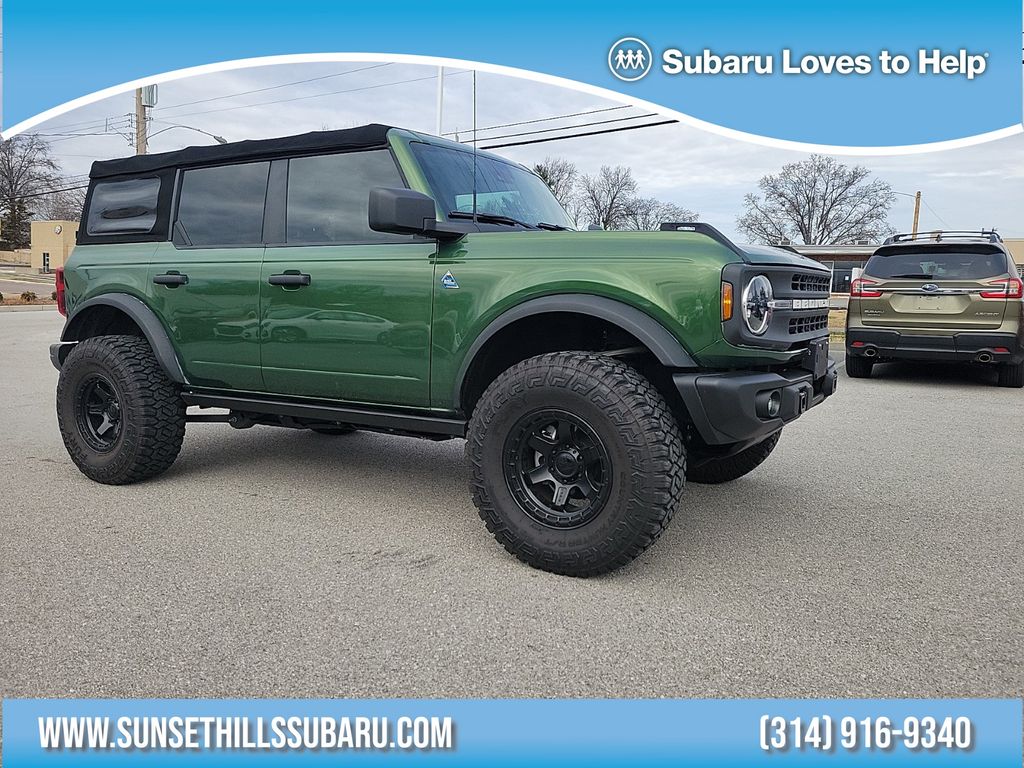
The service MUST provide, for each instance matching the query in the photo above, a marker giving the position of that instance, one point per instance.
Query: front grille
(807, 324)
(816, 283)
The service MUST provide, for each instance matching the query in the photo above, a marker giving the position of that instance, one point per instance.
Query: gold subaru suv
(938, 296)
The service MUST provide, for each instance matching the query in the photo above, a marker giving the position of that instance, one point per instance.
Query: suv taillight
(1009, 288)
(860, 289)
(58, 281)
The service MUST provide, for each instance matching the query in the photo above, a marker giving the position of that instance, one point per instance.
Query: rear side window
(964, 263)
(328, 197)
(222, 206)
(123, 207)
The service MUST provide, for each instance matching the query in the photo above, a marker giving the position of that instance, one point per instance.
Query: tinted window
(501, 188)
(222, 206)
(963, 263)
(122, 207)
(328, 197)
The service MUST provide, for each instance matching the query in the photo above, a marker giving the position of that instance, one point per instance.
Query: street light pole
(440, 98)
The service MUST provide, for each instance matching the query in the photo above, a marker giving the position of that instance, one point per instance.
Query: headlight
(757, 304)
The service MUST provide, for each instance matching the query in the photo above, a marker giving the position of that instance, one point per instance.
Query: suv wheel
(858, 367)
(1011, 375)
(577, 462)
(121, 418)
(731, 467)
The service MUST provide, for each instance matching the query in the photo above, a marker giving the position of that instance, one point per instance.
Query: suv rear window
(962, 263)
(123, 207)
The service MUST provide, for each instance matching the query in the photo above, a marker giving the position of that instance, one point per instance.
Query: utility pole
(917, 210)
(440, 98)
(140, 124)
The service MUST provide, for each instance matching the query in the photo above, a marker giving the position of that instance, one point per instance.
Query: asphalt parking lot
(878, 552)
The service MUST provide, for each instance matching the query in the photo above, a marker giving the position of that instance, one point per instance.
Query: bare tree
(26, 169)
(560, 175)
(818, 201)
(65, 205)
(647, 213)
(605, 197)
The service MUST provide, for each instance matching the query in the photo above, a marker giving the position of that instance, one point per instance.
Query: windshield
(960, 264)
(502, 189)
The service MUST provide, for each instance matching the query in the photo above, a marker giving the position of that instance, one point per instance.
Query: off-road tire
(858, 367)
(1011, 375)
(732, 467)
(333, 431)
(643, 444)
(152, 413)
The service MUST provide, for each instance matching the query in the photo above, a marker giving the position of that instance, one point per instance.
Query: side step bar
(319, 412)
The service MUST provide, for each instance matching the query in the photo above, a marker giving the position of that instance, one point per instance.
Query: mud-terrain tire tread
(152, 409)
(1011, 375)
(858, 367)
(631, 403)
(732, 467)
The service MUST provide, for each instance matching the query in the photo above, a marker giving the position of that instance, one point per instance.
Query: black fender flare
(651, 333)
(141, 315)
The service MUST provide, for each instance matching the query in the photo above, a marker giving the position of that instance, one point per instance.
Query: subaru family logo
(930, 287)
(448, 280)
(630, 59)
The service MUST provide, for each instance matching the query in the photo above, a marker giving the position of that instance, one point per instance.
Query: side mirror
(406, 212)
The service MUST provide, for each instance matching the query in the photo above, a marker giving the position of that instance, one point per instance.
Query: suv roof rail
(938, 235)
(702, 229)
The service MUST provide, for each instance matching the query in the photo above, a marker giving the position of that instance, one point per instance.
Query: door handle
(171, 279)
(289, 278)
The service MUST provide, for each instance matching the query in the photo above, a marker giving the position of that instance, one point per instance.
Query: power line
(544, 119)
(48, 192)
(272, 87)
(566, 127)
(941, 220)
(315, 95)
(577, 135)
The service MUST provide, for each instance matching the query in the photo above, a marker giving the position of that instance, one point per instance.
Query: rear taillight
(58, 278)
(726, 301)
(1009, 288)
(861, 289)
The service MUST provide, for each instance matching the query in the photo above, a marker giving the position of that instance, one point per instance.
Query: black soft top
(364, 137)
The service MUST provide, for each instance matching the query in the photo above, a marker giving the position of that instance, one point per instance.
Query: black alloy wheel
(98, 412)
(557, 468)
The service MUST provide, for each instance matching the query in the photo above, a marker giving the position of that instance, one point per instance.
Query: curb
(29, 308)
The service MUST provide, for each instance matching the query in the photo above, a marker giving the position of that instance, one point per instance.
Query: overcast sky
(962, 189)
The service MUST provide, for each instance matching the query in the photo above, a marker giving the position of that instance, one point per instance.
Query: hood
(766, 254)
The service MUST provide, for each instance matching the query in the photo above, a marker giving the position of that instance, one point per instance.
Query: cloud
(962, 188)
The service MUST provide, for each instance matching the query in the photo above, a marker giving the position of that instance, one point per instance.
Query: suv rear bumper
(954, 348)
(729, 407)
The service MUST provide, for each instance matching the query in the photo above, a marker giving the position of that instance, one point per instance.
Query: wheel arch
(648, 331)
(120, 312)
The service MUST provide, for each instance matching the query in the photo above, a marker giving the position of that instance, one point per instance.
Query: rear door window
(222, 206)
(123, 207)
(920, 264)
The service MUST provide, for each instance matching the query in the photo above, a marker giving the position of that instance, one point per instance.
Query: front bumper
(953, 348)
(728, 408)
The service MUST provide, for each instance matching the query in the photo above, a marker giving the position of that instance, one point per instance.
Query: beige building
(52, 242)
(1016, 246)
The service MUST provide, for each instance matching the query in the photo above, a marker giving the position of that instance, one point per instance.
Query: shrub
(53, 296)
(29, 296)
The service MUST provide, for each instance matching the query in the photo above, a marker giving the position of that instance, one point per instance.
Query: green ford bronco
(381, 279)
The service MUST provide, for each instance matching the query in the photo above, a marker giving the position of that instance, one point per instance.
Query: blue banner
(54, 732)
(864, 74)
